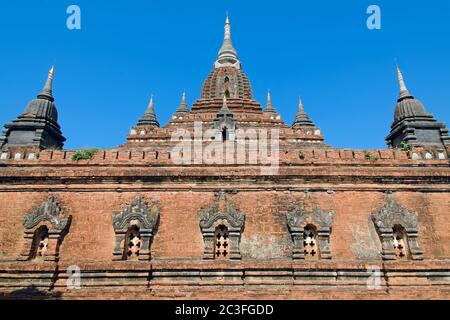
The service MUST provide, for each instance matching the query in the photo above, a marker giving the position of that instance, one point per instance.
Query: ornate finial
(300, 104)
(269, 105)
(301, 118)
(151, 107)
(227, 35)
(47, 92)
(404, 93)
(401, 81)
(183, 107)
(224, 110)
(149, 117)
(224, 102)
(227, 53)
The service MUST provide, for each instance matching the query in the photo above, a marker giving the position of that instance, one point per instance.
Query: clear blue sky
(321, 50)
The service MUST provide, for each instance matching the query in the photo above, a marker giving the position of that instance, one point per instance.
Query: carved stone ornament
(297, 219)
(221, 212)
(139, 211)
(48, 214)
(50, 210)
(138, 214)
(390, 215)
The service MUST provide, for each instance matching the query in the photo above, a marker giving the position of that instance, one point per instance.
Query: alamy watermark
(241, 146)
(374, 20)
(374, 279)
(73, 21)
(73, 278)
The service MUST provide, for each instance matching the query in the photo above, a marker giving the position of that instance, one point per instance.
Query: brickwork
(91, 191)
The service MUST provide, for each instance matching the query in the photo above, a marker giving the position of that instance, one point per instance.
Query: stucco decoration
(139, 214)
(297, 219)
(393, 214)
(221, 212)
(48, 214)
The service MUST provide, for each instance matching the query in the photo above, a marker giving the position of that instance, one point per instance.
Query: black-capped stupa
(38, 125)
(413, 125)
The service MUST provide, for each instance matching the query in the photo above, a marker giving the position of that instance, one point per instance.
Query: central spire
(227, 54)
(227, 77)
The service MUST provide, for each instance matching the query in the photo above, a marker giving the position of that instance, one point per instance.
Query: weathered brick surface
(341, 181)
(91, 234)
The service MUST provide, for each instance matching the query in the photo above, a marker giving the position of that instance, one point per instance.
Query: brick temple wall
(266, 236)
(337, 180)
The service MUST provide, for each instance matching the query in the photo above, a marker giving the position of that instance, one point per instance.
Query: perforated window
(133, 244)
(400, 242)
(222, 243)
(40, 244)
(310, 246)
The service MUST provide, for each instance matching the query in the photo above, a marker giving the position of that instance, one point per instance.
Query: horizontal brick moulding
(287, 157)
(190, 279)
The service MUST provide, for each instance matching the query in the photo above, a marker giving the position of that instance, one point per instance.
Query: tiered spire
(183, 107)
(269, 105)
(47, 91)
(38, 125)
(227, 53)
(149, 117)
(410, 118)
(404, 93)
(301, 118)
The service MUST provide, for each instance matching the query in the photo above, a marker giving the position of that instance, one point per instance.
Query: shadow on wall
(30, 293)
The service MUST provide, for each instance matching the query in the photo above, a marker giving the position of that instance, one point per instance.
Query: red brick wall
(342, 181)
(91, 235)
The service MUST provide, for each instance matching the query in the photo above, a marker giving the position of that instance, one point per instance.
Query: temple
(224, 195)
(226, 80)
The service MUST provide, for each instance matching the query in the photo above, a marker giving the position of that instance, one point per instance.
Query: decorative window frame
(386, 218)
(139, 214)
(297, 219)
(49, 213)
(221, 212)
